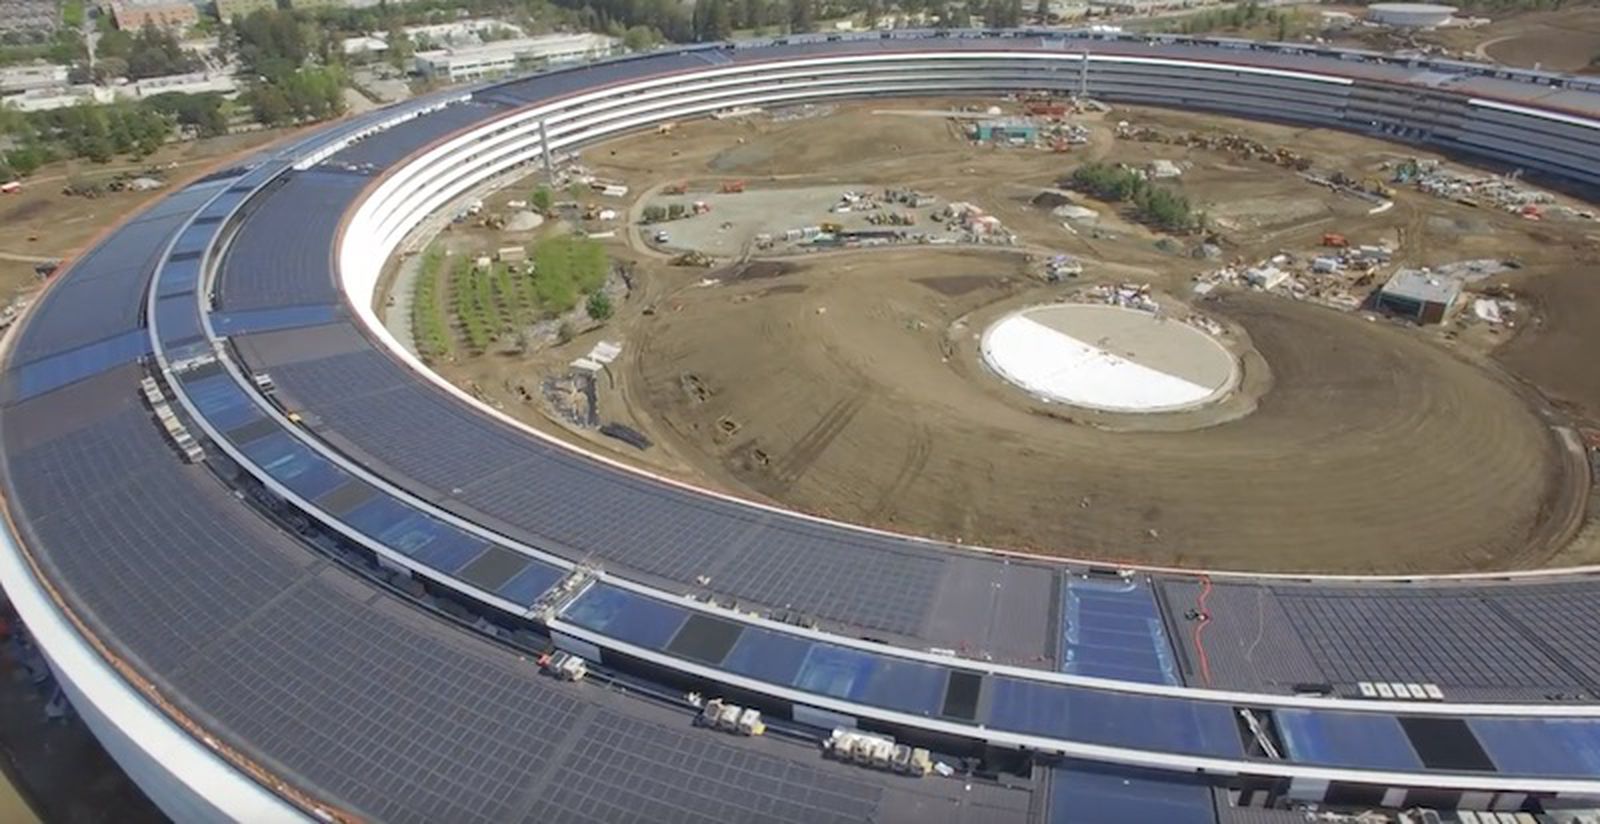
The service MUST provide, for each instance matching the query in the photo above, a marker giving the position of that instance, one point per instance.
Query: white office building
(500, 57)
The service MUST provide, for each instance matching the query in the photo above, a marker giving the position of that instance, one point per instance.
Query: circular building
(1410, 15)
(1109, 358)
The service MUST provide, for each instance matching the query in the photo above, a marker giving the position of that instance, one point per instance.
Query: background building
(132, 15)
(490, 59)
(1410, 15)
(228, 10)
(15, 79)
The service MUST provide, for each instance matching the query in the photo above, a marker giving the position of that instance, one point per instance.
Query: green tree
(269, 105)
(599, 306)
(720, 25)
(155, 52)
(542, 200)
(640, 38)
(72, 15)
(401, 48)
(800, 16)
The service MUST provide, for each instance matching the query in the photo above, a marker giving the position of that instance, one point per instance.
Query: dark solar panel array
(99, 297)
(622, 771)
(1451, 637)
(571, 504)
(160, 553)
(285, 257)
(1248, 641)
(368, 702)
(391, 146)
(832, 574)
(1563, 618)
(543, 87)
(451, 735)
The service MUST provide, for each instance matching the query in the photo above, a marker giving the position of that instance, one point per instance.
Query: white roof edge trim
(1559, 117)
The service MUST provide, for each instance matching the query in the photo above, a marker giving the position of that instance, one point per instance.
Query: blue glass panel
(526, 586)
(294, 465)
(1093, 794)
(767, 656)
(378, 514)
(194, 239)
(835, 671)
(410, 532)
(1119, 719)
(268, 320)
(74, 365)
(178, 277)
(1113, 629)
(1345, 739)
(224, 204)
(178, 320)
(627, 616)
(1555, 747)
(222, 401)
(906, 686)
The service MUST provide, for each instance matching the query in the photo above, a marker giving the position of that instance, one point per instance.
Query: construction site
(808, 293)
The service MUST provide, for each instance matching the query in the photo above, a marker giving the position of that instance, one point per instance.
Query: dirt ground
(1567, 40)
(847, 383)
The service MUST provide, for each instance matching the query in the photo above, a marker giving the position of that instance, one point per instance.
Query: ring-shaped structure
(235, 674)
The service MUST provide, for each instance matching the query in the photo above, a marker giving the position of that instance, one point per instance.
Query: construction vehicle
(732, 187)
(1042, 105)
(1377, 187)
(679, 188)
(665, 128)
(1334, 240)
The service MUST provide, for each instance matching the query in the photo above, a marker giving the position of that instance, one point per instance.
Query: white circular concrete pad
(1109, 358)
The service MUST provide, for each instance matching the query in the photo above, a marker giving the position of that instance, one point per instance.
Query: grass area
(428, 324)
(564, 268)
(1250, 20)
(490, 301)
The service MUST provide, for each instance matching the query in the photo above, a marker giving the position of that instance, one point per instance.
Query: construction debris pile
(1043, 123)
(1126, 295)
(571, 397)
(1234, 144)
(1340, 275)
(1345, 276)
(1138, 297)
(804, 111)
(886, 225)
(1504, 192)
(148, 180)
(1061, 267)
